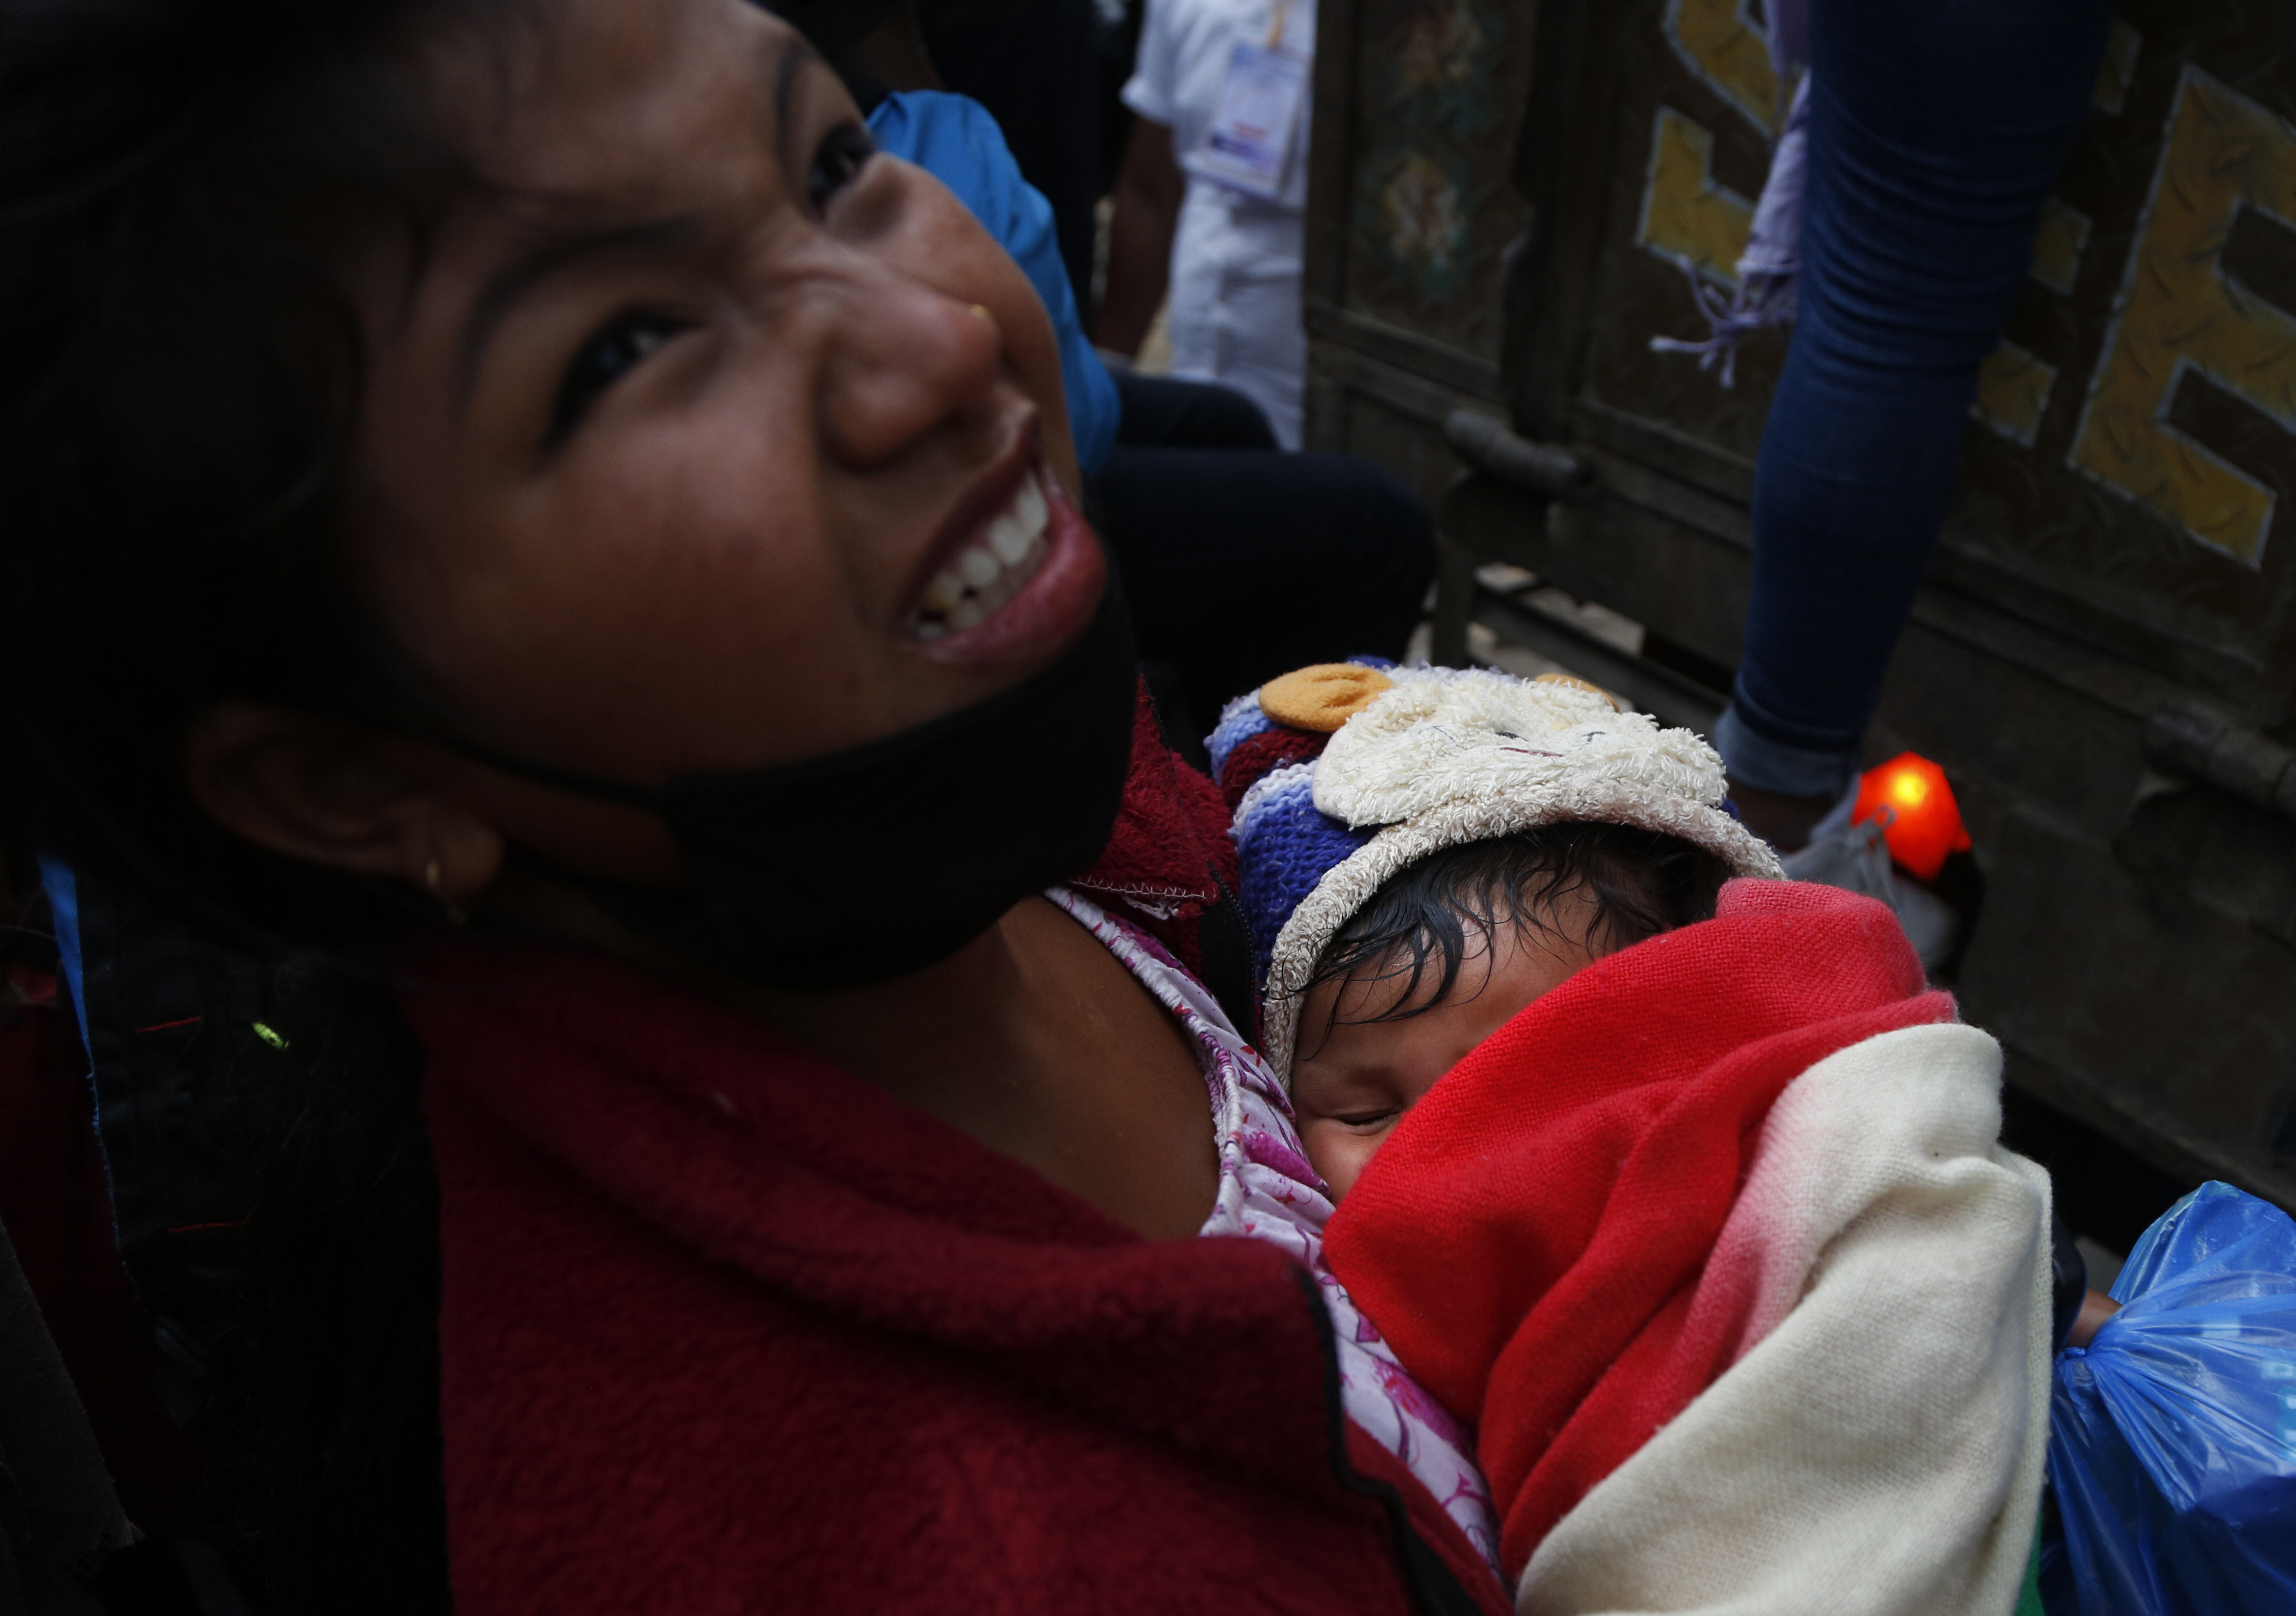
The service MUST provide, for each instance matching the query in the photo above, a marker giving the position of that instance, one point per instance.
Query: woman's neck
(1033, 1038)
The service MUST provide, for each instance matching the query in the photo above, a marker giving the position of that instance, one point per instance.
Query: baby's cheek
(1313, 1141)
(1339, 1154)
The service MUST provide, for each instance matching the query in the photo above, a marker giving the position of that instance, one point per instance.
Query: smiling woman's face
(701, 438)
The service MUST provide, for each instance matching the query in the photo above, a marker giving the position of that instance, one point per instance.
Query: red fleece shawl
(1530, 1238)
(724, 1330)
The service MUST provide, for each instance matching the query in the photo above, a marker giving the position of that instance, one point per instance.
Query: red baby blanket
(1531, 1237)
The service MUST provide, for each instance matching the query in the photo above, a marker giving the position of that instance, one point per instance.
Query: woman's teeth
(989, 570)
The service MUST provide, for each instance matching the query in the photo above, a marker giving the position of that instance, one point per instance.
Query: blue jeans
(1936, 127)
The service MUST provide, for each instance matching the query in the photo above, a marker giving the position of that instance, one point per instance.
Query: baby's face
(1355, 1076)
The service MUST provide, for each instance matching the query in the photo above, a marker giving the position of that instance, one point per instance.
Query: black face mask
(870, 864)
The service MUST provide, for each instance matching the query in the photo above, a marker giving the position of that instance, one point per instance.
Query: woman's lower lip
(1049, 611)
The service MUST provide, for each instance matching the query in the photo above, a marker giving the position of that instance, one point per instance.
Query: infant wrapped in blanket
(1704, 1230)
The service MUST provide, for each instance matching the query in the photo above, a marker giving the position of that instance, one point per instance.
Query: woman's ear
(334, 793)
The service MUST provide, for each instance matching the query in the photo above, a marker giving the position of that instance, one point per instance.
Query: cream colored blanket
(1876, 1447)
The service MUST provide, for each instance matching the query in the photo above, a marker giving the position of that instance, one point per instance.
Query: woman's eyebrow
(549, 255)
(553, 251)
(794, 57)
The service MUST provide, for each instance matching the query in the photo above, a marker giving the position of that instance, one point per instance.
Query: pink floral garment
(1268, 1192)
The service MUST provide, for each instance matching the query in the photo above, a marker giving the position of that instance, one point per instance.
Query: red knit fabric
(1170, 853)
(1255, 757)
(1530, 1237)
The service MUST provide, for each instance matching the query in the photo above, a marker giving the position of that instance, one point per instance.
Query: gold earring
(431, 878)
(982, 310)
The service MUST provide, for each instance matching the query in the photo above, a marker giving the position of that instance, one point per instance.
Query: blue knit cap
(1285, 844)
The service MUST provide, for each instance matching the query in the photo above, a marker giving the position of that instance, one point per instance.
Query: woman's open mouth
(993, 567)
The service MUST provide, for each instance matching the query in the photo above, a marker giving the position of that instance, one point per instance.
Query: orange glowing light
(1924, 826)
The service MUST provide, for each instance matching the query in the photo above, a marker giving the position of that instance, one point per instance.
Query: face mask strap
(656, 798)
(648, 797)
(398, 698)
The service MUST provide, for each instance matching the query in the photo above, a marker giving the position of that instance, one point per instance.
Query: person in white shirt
(1213, 196)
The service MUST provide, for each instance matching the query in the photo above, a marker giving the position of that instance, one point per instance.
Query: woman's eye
(843, 153)
(603, 360)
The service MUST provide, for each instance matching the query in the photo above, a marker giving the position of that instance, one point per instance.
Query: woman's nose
(907, 362)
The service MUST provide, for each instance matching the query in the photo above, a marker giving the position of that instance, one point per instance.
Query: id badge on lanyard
(1250, 147)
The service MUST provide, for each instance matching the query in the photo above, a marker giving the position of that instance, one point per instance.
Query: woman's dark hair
(1434, 915)
(180, 370)
(180, 367)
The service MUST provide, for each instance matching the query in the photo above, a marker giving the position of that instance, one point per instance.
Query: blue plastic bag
(2172, 1438)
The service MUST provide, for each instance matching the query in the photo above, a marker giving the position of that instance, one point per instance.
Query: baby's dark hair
(1640, 882)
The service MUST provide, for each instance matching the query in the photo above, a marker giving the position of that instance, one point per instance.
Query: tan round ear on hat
(1322, 697)
(1576, 683)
